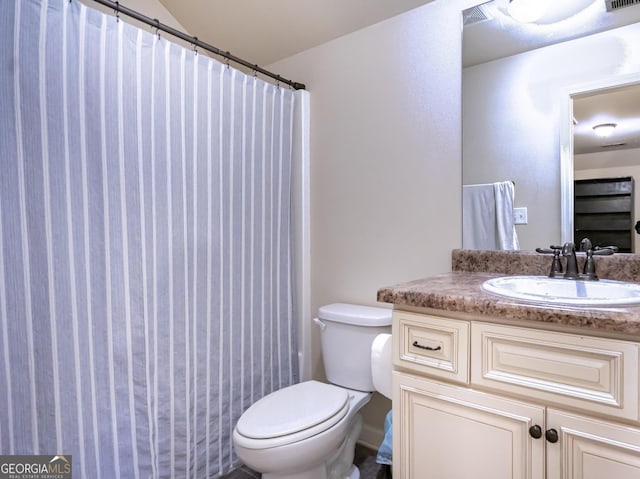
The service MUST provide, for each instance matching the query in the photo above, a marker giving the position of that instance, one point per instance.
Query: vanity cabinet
(533, 404)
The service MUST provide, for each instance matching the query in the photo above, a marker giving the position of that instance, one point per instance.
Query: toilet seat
(292, 414)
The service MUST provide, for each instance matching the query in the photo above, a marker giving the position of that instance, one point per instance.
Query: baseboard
(371, 437)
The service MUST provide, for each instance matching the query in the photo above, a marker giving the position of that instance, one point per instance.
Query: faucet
(569, 252)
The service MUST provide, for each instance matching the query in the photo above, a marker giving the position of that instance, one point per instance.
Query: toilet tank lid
(355, 314)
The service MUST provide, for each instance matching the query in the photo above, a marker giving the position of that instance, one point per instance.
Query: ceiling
(263, 32)
(490, 33)
(617, 105)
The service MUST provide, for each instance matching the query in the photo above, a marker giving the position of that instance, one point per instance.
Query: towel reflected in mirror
(488, 222)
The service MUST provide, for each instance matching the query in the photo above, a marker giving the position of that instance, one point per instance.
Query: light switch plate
(520, 216)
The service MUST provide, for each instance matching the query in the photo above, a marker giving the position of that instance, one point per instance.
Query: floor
(365, 459)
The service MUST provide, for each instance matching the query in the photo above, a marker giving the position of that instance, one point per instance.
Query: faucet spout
(569, 252)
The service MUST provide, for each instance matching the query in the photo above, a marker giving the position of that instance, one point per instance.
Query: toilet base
(340, 465)
(337, 466)
(319, 472)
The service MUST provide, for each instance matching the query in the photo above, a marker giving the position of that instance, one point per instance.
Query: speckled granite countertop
(461, 292)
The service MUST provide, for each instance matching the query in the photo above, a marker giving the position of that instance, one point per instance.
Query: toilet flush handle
(320, 323)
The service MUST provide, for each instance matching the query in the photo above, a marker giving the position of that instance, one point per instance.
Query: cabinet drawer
(593, 374)
(430, 345)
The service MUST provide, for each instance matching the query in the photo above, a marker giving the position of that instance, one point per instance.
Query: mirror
(606, 163)
(518, 102)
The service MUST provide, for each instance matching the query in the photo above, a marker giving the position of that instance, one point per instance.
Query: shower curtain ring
(157, 27)
(117, 11)
(195, 45)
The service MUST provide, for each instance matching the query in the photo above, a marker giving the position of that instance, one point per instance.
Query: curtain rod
(155, 23)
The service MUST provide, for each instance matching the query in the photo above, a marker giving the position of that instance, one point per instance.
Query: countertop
(461, 292)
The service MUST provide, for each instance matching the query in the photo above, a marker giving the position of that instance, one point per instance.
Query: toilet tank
(347, 332)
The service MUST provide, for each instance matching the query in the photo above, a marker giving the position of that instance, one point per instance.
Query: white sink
(558, 291)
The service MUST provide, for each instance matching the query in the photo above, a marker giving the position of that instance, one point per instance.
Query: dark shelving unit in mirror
(603, 212)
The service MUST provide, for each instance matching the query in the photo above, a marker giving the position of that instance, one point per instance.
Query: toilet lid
(292, 409)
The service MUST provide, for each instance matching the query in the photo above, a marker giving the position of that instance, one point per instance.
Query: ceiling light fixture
(604, 129)
(527, 11)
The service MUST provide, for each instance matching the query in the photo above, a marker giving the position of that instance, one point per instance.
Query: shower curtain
(145, 245)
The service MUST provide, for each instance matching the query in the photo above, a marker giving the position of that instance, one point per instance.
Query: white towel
(487, 214)
(478, 217)
(505, 225)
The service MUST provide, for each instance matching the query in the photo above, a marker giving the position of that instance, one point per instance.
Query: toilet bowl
(309, 430)
(318, 435)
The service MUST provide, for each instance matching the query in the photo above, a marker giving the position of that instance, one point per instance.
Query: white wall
(385, 157)
(610, 158)
(514, 111)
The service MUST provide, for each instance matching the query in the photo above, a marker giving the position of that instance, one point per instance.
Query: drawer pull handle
(428, 348)
(551, 435)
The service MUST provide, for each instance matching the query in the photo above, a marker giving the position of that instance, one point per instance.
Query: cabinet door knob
(551, 435)
(535, 431)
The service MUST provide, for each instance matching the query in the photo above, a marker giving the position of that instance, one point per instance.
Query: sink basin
(558, 291)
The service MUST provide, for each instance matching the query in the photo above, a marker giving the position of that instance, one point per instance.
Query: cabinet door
(591, 449)
(444, 431)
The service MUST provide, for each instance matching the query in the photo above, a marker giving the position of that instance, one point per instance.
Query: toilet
(309, 430)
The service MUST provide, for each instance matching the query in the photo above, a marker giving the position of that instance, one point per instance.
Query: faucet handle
(550, 250)
(589, 271)
(605, 250)
(586, 244)
(556, 264)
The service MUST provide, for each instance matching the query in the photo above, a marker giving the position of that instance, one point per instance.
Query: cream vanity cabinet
(483, 400)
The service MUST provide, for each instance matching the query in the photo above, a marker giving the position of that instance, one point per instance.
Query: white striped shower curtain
(145, 245)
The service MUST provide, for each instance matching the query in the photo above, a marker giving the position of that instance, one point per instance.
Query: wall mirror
(604, 158)
(521, 84)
